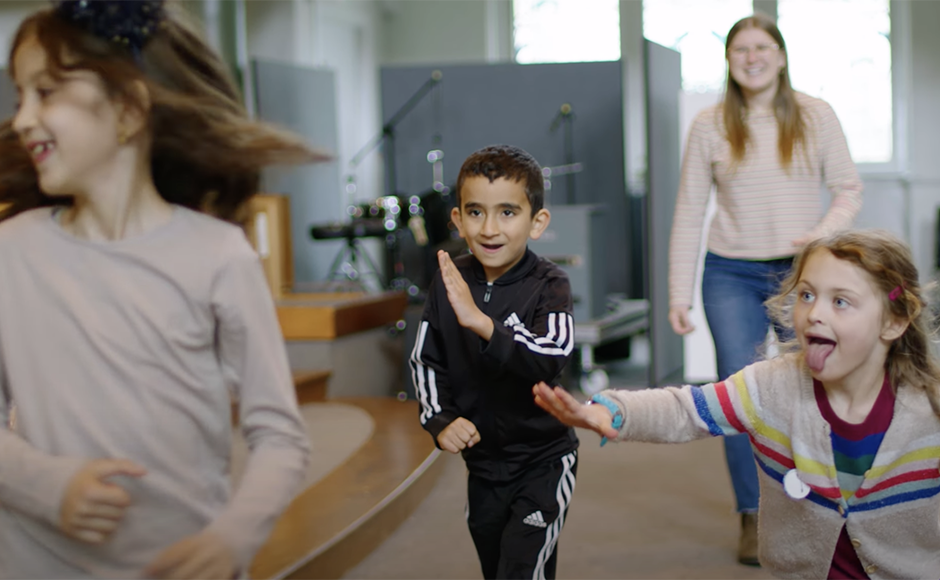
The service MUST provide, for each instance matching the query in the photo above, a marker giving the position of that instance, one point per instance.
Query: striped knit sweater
(894, 516)
(854, 446)
(761, 207)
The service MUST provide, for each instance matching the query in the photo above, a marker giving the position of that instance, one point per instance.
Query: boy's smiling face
(496, 220)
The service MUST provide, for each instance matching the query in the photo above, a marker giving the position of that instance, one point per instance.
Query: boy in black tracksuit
(496, 322)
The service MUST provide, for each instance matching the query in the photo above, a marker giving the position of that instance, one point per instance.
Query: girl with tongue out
(844, 425)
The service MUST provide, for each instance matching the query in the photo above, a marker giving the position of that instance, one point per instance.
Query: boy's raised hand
(569, 411)
(93, 507)
(203, 555)
(458, 294)
(459, 434)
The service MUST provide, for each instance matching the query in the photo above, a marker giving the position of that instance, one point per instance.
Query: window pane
(840, 51)
(697, 30)
(566, 30)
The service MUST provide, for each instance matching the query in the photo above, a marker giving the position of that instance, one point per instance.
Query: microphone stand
(565, 117)
(386, 137)
(387, 134)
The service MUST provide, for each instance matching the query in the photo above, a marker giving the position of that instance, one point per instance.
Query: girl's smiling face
(66, 122)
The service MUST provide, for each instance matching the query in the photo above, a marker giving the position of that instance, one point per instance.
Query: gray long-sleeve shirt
(131, 349)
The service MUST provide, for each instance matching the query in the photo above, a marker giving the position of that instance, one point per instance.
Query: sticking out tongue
(817, 351)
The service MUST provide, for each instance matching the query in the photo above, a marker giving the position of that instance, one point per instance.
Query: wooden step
(327, 316)
(334, 524)
(311, 386)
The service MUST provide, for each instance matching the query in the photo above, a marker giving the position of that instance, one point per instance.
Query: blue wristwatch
(614, 408)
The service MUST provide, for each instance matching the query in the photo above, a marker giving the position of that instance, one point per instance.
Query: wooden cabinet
(268, 229)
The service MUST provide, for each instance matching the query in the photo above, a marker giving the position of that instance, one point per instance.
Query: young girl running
(130, 316)
(845, 427)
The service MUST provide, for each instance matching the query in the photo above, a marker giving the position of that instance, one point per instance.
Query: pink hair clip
(896, 293)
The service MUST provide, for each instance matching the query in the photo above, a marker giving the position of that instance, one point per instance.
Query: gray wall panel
(663, 84)
(303, 100)
(479, 105)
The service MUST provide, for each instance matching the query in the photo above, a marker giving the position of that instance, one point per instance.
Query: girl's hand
(203, 555)
(93, 507)
(680, 320)
(569, 411)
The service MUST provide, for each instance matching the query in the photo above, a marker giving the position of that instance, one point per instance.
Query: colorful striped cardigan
(893, 519)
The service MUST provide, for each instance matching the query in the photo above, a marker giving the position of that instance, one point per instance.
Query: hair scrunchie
(123, 22)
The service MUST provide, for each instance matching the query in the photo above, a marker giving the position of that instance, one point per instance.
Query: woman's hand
(569, 411)
(804, 239)
(680, 320)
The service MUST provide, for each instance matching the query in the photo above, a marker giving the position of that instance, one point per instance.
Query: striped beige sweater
(761, 207)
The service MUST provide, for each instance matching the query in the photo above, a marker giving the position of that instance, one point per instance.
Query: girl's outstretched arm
(569, 411)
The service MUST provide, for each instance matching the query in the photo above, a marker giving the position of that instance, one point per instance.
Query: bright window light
(566, 30)
(696, 30)
(840, 51)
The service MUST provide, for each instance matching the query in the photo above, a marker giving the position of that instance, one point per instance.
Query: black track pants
(515, 526)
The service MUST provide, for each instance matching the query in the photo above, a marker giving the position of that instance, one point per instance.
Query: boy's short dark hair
(508, 162)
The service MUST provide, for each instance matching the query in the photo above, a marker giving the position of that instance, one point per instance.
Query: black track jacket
(458, 374)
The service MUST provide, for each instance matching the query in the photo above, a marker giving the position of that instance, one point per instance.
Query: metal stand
(565, 118)
(386, 137)
(346, 265)
(624, 318)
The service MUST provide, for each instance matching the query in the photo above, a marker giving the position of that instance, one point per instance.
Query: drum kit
(410, 226)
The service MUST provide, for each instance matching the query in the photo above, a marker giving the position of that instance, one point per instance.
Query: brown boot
(747, 544)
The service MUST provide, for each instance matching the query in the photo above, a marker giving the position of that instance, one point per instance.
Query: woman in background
(767, 149)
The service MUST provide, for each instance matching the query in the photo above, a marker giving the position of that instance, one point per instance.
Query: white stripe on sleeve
(560, 324)
(425, 380)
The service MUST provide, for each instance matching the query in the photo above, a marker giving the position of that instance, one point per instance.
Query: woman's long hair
(206, 154)
(790, 122)
(888, 262)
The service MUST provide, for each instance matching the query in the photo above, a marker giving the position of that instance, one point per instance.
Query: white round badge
(794, 486)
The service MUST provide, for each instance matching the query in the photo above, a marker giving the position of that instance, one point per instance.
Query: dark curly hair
(508, 162)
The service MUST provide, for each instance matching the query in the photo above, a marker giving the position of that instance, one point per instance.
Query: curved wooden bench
(339, 520)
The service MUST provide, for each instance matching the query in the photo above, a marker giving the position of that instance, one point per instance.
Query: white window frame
(900, 39)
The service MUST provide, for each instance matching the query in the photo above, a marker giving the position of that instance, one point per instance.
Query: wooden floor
(335, 523)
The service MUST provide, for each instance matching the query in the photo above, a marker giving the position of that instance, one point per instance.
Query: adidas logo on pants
(535, 519)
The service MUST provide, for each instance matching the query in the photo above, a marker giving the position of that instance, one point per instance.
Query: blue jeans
(733, 294)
